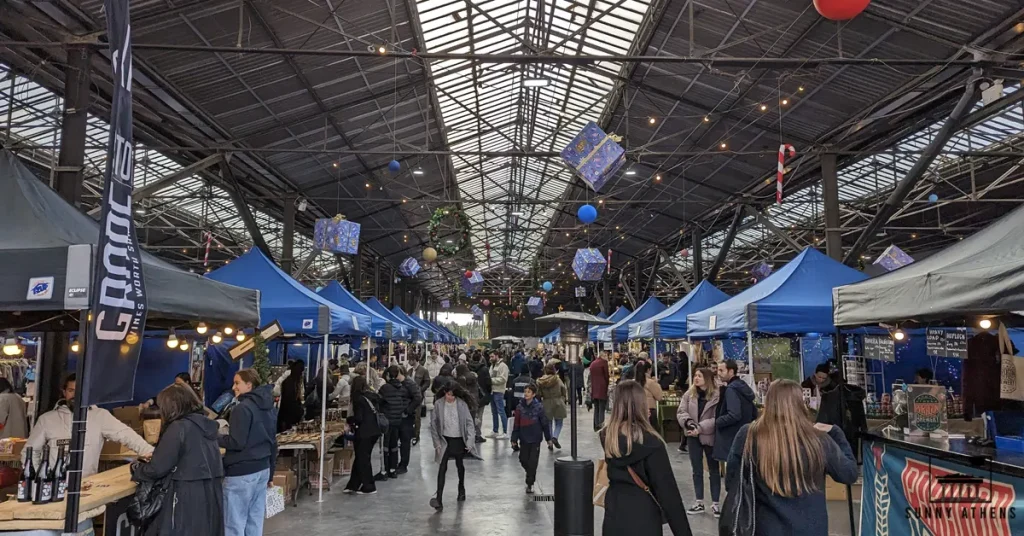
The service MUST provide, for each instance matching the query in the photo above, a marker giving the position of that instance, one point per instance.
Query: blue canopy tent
(442, 335)
(551, 338)
(452, 338)
(380, 327)
(619, 314)
(411, 331)
(619, 332)
(795, 299)
(282, 298)
(671, 323)
(425, 333)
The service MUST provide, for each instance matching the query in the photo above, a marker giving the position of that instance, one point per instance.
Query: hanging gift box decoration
(761, 271)
(336, 235)
(594, 156)
(893, 258)
(472, 282)
(535, 305)
(446, 304)
(409, 267)
(581, 292)
(478, 313)
(588, 264)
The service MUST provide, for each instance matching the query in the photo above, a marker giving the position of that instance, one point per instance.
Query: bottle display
(28, 477)
(61, 476)
(43, 485)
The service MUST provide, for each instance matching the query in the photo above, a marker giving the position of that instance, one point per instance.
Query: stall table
(103, 489)
(300, 444)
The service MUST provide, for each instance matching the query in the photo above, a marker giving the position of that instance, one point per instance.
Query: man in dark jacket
(250, 453)
(396, 403)
(536, 367)
(405, 433)
(443, 379)
(421, 376)
(599, 378)
(736, 408)
(517, 364)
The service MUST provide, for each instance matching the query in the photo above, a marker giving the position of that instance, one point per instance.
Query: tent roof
(982, 274)
(282, 298)
(552, 337)
(380, 327)
(444, 336)
(426, 332)
(619, 314)
(671, 323)
(40, 226)
(376, 306)
(619, 332)
(795, 299)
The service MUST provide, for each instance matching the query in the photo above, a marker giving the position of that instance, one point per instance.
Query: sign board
(117, 523)
(40, 288)
(927, 409)
(880, 348)
(268, 333)
(951, 342)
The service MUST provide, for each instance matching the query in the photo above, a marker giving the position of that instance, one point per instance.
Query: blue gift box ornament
(478, 313)
(473, 284)
(892, 258)
(581, 292)
(594, 156)
(589, 264)
(761, 271)
(409, 267)
(336, 235)
(445, 304)
(535, 305)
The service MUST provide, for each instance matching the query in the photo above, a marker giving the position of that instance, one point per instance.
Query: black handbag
(382, 421)
(148, 501)
(738, 513)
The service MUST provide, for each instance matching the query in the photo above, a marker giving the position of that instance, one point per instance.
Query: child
(529, 428)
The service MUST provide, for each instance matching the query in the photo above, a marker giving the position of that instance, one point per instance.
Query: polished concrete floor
(496, 505)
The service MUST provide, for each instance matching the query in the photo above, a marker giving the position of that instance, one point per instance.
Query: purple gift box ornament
(589, 264)
(409, 267)
(892, 258)
(535, 305)
(594, 156)
(761, 271)
(336, 235)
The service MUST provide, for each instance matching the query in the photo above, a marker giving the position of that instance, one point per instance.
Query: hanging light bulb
(172, 340)
(228, 330)
(183, 346)
(201, 328)
(11, 346)
(899, 335)
(240, 336)
(217, 338)
(985, 323)
(75, 346)
(764, 107)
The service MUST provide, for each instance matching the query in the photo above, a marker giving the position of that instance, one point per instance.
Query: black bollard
(574, 497)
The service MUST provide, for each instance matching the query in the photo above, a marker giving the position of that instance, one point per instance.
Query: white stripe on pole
(323, 418)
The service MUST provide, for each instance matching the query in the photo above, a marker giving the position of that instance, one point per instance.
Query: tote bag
(275, 501)
(600, 482)
(739, 517)
(1011, 377)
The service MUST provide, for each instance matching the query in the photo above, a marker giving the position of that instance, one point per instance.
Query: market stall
(615, 317)
(380, 326)
(412, 331)
(671, 323)
(619, 331)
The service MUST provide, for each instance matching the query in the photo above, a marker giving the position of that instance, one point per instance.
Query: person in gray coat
(13, 420)
(696, 416)
(453, 430)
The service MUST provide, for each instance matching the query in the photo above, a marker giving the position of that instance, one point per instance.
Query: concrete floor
(496, 503)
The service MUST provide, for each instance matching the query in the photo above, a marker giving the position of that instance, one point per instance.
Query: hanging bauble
(933, 198)
(487, 303)
(587, 214)
(840, 9)
(547, 286)
(429, 254)
(684, 253)
(515, 314)
(468, 274)
(394, 166)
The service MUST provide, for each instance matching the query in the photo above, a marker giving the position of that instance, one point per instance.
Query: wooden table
(300, 443)
(106, 487)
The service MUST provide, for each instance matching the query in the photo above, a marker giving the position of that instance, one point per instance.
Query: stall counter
(104, 488)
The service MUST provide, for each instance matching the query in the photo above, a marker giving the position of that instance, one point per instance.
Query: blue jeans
(557, 424)
(498, 410)
(245, 504)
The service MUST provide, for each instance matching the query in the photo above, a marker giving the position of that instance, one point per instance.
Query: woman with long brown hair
(696, 416)
(652, 391)
(642, 490)
(188, 454)
(785, 457)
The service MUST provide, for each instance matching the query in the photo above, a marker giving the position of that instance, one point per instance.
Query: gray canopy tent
(980, 275)
(46, 248)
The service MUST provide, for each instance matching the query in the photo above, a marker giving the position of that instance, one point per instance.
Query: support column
(73, 124)
(726, 244)
(357, 274)
(698, 257)
(288, 235)
(376, 277)
(830, 197)
(391, 286)
(636, 282)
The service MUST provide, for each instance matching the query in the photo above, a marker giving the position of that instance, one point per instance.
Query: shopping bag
(600, 482)
(275, 501)
(1011, 377)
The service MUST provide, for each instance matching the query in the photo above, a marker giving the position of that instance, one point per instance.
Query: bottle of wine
(28, 476)
(44, 480)
(61, 475)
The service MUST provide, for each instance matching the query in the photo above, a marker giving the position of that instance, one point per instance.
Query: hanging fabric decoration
(487, 246)
(609, 261)
(206, 255)
(783, 149)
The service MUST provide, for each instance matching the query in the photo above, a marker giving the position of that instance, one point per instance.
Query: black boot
(462, 494)
(435, 503)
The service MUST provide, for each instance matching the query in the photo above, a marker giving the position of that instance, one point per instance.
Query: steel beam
(899, 194)
(357, 274)
(830, 198)
(307, 262)
(244, 212)
(73, 125)
(667, 259)
(726, 244)
(698, 256)
(288, 234)
(153, 187)
(782, 235)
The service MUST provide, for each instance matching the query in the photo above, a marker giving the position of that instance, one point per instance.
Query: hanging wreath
(433, 228)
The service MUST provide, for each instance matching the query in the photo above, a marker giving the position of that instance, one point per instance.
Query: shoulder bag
(382, 421)
(738, 512)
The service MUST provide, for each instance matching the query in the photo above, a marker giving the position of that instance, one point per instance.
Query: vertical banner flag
(118, 294)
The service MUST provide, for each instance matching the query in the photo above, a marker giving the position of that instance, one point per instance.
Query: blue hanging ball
(587, 214)
(547, 286)
(933, 198)
(394, 166)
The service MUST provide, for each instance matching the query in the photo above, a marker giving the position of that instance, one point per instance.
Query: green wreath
(433, 228)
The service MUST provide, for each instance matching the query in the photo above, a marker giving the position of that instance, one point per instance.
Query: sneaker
(361, 492)
(716, 510)
(436, 504)
(415, 440)
(557, 444)
(501, 436)
(529, 490)
(402, 470)
(347, 491)
(695, 509)
(393, 475)
(481, 440)
(551, 447)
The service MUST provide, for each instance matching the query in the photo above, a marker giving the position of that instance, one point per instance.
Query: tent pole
(323, 417)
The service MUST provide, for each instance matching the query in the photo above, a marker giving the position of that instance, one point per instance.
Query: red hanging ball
(515, 314)
(841, 9)
(468, 274)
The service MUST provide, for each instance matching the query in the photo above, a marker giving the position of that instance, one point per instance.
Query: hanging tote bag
(600, 482)
(1011, 377)
(738, 514)
(275, 501)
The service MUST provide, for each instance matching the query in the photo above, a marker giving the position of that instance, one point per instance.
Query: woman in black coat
(365, 407)
(292, 405)
(637, 459)
(187, 454)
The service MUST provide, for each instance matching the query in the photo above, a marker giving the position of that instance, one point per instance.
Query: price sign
(947, 342)
(936, 342)
(879, 347)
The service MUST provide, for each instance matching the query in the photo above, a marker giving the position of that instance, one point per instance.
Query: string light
(240, 336)
(707, 119)
(985, 323)
(657, 177)
(183, 346)
(724, 145)
(785, 102)
(382, 50)
(335, 164)
(764, 107)
(228, 330)
(172, 340)
(75, 346)
(800, 89)
(899, 335)
(201, 328)
(651, 120)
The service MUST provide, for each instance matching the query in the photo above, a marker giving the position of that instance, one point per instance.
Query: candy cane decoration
(782, 169)
(609, 262)
(206, 256)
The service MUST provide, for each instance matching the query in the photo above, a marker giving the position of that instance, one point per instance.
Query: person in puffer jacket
(529, 428)
(397, 399)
